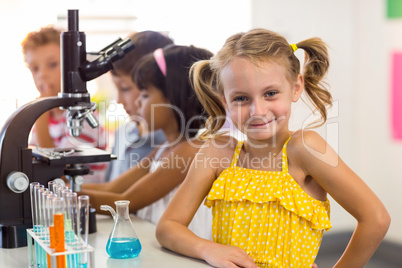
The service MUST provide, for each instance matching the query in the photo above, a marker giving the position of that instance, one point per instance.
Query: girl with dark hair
(174, 83)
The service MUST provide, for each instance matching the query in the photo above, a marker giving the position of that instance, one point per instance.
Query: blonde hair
(258, 46)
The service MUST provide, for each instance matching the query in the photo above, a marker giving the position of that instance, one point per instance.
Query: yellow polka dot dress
(267, 214)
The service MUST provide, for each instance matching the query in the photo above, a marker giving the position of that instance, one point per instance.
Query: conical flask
(123, 242)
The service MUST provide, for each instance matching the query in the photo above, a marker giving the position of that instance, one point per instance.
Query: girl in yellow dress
(269, 193)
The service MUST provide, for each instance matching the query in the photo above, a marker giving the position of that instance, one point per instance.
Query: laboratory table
(152, 254)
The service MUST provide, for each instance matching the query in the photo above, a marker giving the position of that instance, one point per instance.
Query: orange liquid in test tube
(59, 244)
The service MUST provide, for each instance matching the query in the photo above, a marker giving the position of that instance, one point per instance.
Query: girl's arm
(172, 231)
(322, 163)
(149, 187)
(125, 180)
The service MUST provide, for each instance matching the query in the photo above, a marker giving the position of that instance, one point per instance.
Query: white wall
(360, 38)
(380, 157)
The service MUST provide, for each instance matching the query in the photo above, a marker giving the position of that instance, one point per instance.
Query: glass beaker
(123, 242)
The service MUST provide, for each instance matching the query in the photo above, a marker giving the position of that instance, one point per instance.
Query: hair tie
(294, 47)
(160, 60)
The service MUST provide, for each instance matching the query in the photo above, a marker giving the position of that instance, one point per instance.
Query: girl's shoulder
(219, 147)
(305, 146)
(218, 152)
(306, 140)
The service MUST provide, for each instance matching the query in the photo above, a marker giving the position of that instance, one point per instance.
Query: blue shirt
(130, 148)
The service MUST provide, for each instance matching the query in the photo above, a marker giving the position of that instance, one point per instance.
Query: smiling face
(44, 64)
(259, 98)
(127, 93)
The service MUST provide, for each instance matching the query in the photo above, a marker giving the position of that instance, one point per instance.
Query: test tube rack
(37, 248)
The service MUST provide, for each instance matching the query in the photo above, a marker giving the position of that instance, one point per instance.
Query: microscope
(20, 164)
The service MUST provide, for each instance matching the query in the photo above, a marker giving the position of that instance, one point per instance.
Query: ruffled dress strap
(285, 156)
(236, 154)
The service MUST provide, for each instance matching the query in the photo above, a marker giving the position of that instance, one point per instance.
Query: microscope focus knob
(79, 180)
(17, 181)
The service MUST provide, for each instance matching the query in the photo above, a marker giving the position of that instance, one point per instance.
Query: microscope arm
(14, 153)
(15, 131)
(15, 158)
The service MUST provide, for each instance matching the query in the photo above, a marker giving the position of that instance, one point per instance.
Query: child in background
(269, 193)
(131, 144)
(167, 102)
(41, 50)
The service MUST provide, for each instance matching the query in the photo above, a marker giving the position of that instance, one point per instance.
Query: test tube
(72, 232)
(39, 195)
(58, 188)
(64, 193)
(58, 207)
(49, 212)
(33, 204)
(45, 214)
(83, 220)
(40, 254)
(58, 223)
(34, 212)
(36, 227)
(43, 218)
(51, 185)
(65, 190)
(49, 207)
(71, 212)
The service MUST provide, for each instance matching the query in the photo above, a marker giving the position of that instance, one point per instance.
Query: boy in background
(132, 143)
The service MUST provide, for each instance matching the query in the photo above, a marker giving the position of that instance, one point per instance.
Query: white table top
(152, 254)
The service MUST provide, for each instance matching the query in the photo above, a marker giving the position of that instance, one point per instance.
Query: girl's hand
(314, 266)
(228, 257)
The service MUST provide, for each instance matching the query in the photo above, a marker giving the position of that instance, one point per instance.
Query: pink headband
(160, 60)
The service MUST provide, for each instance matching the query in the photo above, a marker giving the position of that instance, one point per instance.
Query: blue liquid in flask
(123, 248)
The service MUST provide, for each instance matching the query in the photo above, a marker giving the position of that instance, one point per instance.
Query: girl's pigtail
(203, 82)
(316, 65)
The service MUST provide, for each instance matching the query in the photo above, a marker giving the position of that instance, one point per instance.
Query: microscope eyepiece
(72, 15)
(103, 63)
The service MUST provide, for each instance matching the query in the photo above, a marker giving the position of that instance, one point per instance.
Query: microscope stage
(63, 156)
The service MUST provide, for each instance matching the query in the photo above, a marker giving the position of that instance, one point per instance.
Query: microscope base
(13, 236)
